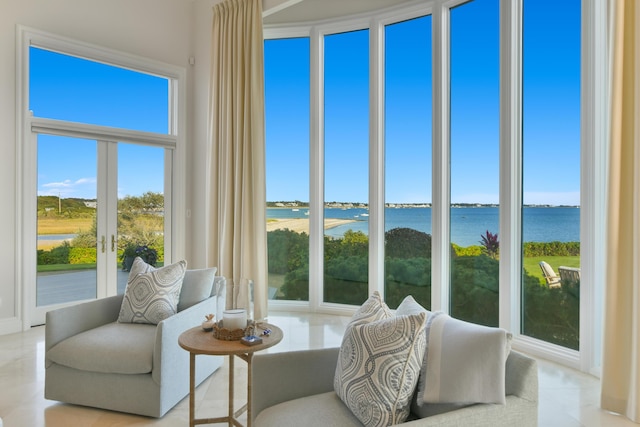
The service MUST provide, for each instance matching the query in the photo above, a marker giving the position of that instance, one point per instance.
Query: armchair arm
(170, 361)
(69, 321)
(279, 377)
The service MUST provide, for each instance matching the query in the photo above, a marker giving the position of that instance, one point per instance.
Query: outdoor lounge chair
(553, 280)
(569, 274)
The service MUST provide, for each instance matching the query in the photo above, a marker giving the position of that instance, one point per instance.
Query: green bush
(473, 250)
(57, 255)
(538, 249)
(474, 289)
(82, 255)
(551, 315)
(287, 251)
(407, 243)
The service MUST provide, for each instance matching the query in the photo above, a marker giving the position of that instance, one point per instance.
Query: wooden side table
(196, 341)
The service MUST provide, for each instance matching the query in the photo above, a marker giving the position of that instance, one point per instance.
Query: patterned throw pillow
(373, 309)
(152, 294)
(378, 367)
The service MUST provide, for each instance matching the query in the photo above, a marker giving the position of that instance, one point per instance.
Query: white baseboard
(8, 326)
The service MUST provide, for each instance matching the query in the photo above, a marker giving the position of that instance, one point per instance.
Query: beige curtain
(236, 187)
(621, 341)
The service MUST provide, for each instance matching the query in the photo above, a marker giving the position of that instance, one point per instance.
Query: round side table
(196, 341)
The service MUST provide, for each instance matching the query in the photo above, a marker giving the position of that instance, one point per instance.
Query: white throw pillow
(410, 306)
(378, 366)
(465, 363)
(152, 294)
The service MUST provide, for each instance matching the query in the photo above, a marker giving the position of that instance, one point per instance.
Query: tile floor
(567, 397)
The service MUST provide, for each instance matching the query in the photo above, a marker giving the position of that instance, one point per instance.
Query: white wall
(156, 29)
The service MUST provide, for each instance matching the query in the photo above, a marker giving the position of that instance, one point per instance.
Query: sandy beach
(300, 225)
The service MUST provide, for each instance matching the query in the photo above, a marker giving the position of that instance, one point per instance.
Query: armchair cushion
(152, 294)
(196, 287)
(114, 348)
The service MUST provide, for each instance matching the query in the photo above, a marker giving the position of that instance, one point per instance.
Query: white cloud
(81, 188)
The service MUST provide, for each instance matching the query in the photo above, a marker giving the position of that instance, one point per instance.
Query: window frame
(593, 161)
(26, 155)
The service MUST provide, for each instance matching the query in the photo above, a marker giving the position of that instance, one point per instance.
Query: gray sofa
(296, 388)
(92, 360)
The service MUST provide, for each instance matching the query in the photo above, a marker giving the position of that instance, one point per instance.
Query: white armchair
(93, 360)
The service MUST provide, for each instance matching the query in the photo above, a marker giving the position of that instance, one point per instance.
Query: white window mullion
(440, 258)
(316, 169)
(107, 218)
(593, 164)
(510, 164)
(376, 158)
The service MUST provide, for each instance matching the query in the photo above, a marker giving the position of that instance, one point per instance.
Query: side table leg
(231, 369)
(249, 381)
(192, 389)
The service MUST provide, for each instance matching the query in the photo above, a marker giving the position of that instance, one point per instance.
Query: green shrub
(538, 249)
(57, 255)
(407, 243)
(82, 255)
(473, 250)
(287, 251)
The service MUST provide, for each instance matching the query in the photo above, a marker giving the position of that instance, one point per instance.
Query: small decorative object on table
(222, 333)
(207, 325)
(251, 340)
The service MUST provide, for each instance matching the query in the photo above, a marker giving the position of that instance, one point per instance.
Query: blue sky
(550, 103)
(68, 88)
(77, 90)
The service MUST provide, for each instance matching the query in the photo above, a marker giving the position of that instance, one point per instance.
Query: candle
(234, 319)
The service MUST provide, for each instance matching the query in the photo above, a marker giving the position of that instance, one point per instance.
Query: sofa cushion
(464, 362)
(378, 367)
(151, 294)
(118, 348)
(320, 410)
(196, 287)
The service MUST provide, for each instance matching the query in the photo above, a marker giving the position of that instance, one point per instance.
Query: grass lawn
(55, 268)
(63, 225)
(532, 264)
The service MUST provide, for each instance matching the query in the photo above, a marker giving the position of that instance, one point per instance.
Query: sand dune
(300, 225)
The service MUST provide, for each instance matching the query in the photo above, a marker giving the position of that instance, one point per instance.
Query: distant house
(91, 204)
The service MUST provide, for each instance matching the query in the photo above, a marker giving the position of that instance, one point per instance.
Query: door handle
(113, 243)
(103, 243)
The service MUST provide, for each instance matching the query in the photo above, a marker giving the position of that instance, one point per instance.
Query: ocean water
(467, 224)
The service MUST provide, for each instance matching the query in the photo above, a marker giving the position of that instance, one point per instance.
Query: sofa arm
(521, 377)
(280, 377)
(69, 321)
(170, 361)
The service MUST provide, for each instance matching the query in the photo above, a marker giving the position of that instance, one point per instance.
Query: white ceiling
(297, 11)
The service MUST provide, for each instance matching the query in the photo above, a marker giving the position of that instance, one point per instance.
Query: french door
(93, 198)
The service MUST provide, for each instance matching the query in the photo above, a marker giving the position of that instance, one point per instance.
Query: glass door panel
(141, 220)
(66, 220)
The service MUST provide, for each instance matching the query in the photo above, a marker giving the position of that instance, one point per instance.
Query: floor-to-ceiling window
(287, 149)
(474, 163)
(469, 35)
(346, 170)
(551, 171)
(407, 142)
